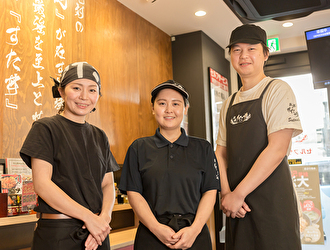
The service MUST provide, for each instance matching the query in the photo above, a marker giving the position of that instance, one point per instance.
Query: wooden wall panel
(131, 55)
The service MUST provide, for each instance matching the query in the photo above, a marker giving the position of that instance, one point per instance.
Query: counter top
(12, 220)
(122, 238)
(20, 219)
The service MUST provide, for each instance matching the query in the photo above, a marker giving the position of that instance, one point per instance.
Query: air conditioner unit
(260, 10)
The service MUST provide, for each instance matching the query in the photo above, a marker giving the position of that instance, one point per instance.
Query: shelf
(120, 207)
(122, 238)
(20, 219)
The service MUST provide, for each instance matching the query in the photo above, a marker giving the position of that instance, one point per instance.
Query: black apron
(62, 234)
(273, 222)
(146, 240)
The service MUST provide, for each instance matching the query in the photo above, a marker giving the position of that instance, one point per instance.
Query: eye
(93, 90)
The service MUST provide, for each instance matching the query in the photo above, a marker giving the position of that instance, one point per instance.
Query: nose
(244, 53)
(168, 109)
(83, 95)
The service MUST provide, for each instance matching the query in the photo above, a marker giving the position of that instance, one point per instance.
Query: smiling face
(80, 97)
(169, 109)
(248, 60)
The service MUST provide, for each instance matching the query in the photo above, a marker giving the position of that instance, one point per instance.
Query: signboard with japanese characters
(307, 186)
(40, 37)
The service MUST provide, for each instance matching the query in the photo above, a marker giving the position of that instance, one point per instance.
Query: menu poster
(307, 184)
(17, 166)
(29, 197)
(12, 184)
(219, 93)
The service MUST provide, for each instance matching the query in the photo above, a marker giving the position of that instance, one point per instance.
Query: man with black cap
(171, 179)
(254, 139)
(72, 168)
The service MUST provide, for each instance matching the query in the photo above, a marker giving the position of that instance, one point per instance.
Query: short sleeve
(130, 179)
(38, 144)
(211, 177)
(221, 138)
(280, 108)
(112, 164)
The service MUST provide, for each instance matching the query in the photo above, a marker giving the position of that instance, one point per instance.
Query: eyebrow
(178, 100)
(90, 85)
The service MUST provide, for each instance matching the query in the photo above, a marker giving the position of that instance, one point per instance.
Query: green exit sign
(273, 44)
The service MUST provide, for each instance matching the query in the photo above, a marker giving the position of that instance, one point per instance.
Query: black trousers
(146, 240)
(62, 234)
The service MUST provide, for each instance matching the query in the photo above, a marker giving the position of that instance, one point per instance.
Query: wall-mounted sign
(219, 93)
(294, 161)
(273, 44)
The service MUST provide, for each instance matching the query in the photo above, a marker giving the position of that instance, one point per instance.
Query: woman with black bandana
(72, 168)
(171, 179)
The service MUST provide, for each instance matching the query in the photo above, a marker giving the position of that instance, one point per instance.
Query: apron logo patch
(240, 118)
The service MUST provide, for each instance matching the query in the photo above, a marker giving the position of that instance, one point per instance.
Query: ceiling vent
(249, 11)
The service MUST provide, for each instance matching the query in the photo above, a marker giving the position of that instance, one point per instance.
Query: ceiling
(176, 17)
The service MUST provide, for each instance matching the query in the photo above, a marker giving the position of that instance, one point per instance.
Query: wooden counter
(122, 238)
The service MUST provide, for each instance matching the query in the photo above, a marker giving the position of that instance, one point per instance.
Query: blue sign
(314, 34)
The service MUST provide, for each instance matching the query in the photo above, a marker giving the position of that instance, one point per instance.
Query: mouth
(244, 64)
(82, 105)
(169, 117)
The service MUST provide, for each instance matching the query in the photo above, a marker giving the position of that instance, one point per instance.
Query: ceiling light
(287, 24)
(200, 13)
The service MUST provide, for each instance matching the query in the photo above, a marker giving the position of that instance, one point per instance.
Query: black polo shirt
(172, 177)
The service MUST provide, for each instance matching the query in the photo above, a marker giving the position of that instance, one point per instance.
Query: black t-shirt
(80, 155)
(171, 176)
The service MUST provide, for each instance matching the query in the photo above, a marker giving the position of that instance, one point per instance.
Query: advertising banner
(307, 184)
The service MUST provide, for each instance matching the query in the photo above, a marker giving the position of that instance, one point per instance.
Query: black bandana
(74, 71)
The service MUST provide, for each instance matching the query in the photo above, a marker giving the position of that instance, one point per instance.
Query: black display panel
(318, 46)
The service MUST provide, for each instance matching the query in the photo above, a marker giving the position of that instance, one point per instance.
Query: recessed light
(287, 24)
(200, 13)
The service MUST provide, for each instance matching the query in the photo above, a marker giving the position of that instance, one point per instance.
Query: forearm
(205, 208)
(59, 200)
(263, 167)
(108, 190)
(221, 154)
(142, 210)
(53, 195)
(266, 163)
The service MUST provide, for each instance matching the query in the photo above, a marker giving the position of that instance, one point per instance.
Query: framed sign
(307, 185)
(219, 93)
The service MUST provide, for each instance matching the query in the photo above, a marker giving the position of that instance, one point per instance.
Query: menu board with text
(307, 184)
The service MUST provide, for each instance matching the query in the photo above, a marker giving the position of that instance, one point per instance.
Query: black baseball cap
(169, 84)
(248, 33)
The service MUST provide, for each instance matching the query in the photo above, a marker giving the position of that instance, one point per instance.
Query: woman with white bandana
(72, 168)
